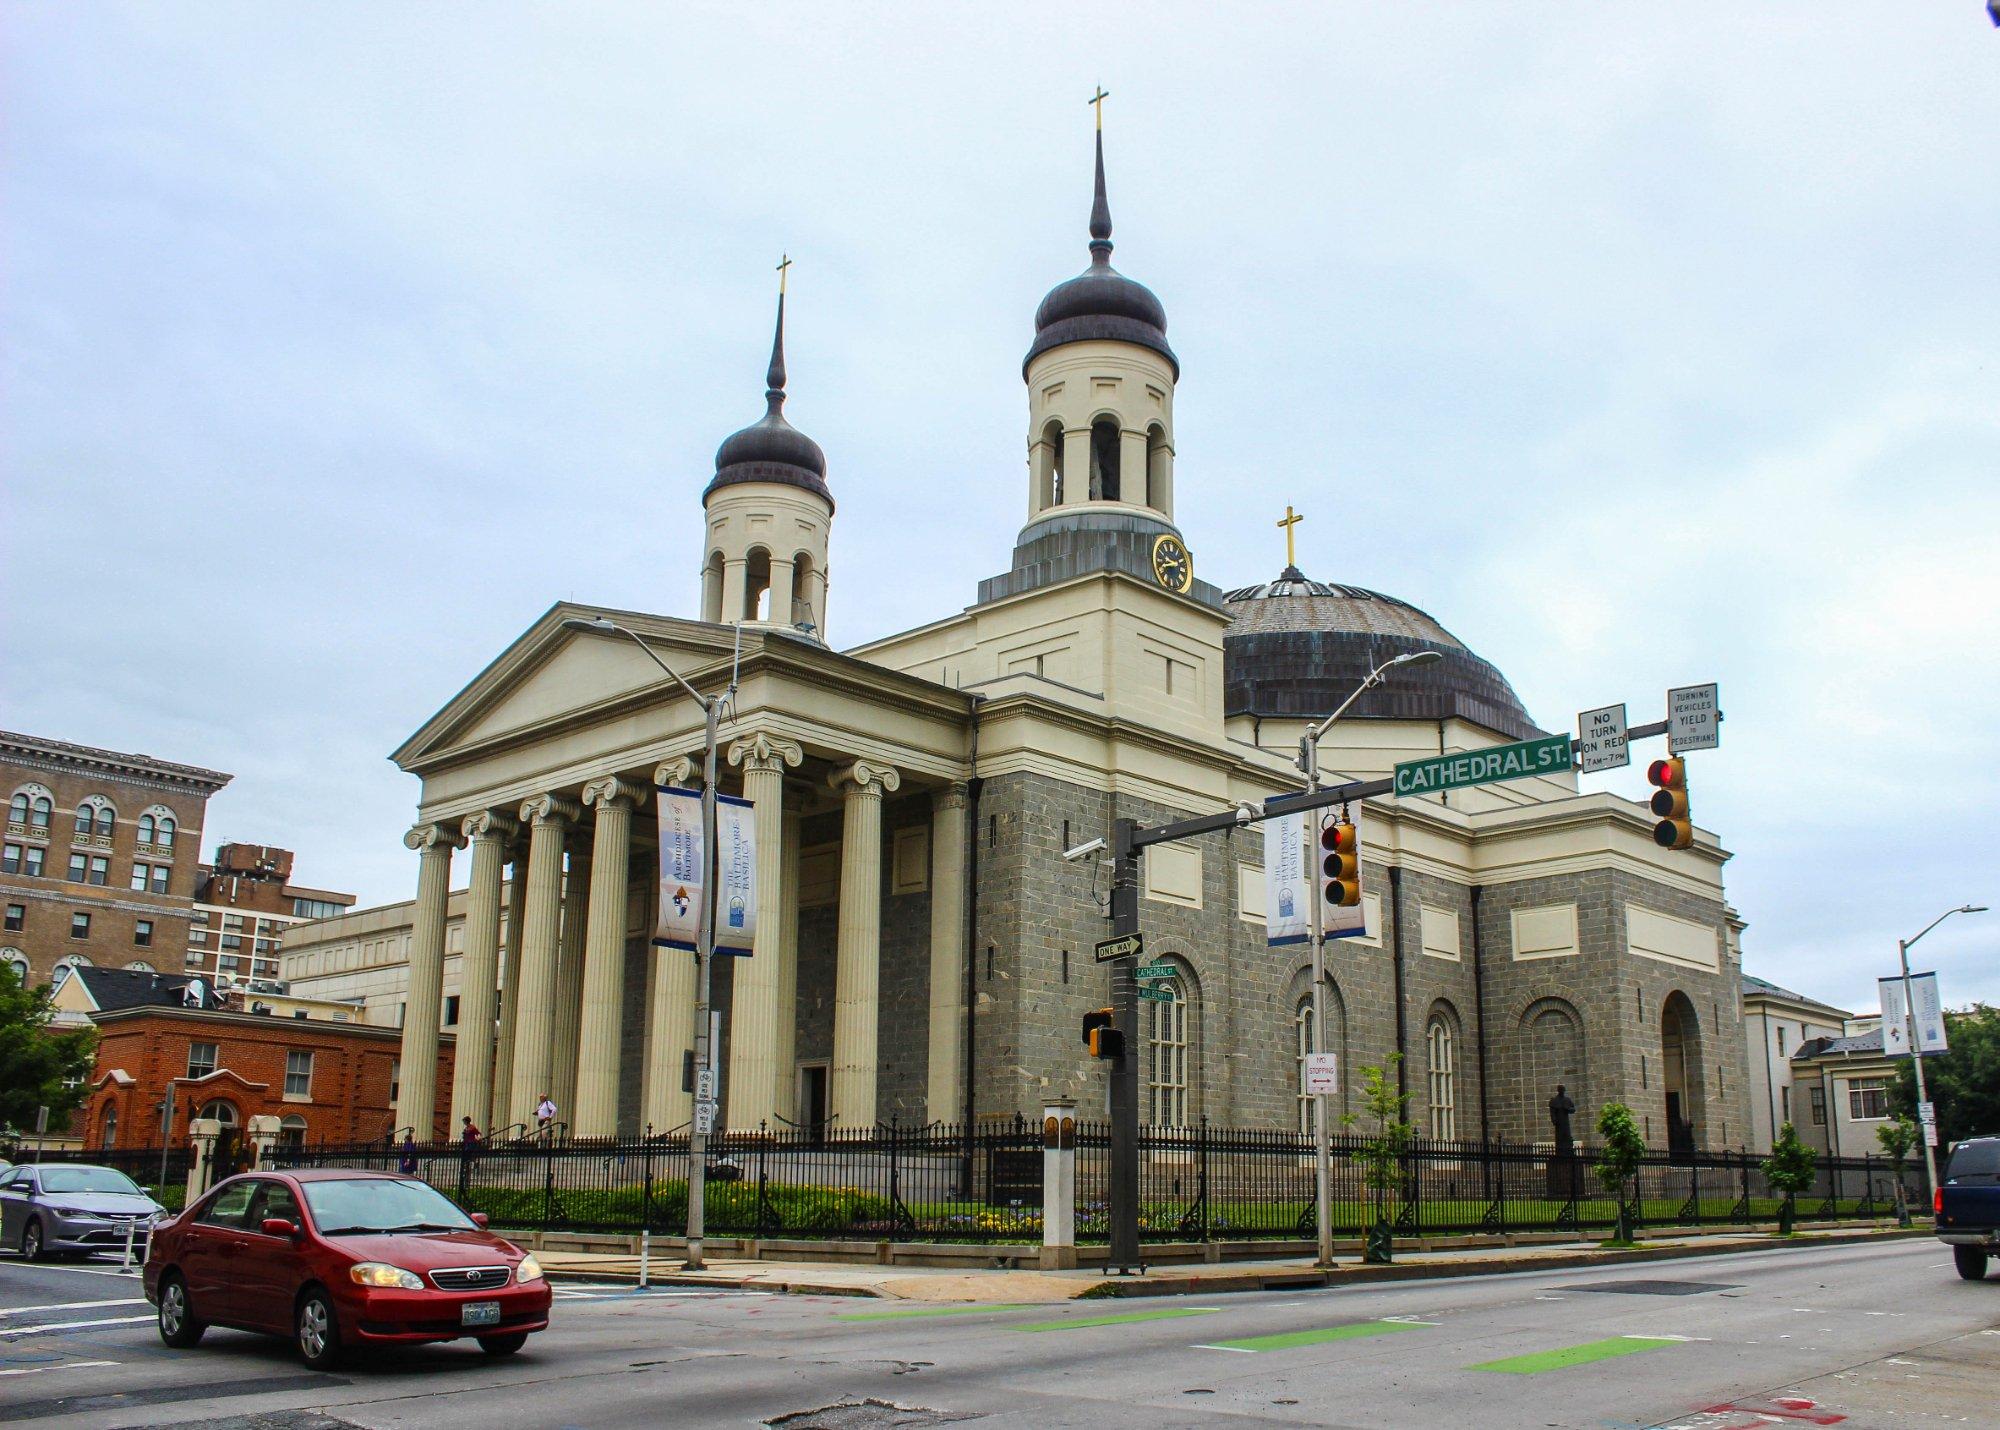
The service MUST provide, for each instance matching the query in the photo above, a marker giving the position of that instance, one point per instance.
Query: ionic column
(735, 581)
(1132, 466)
(945, 1095)
(416, 1100)
(784, 578)
(788, 968)
(541, 931)
(671, 1018)
(603, 1021)
(752, 1090)
(479, 970)
(503, 1112)
(858, 951)
(569, 985)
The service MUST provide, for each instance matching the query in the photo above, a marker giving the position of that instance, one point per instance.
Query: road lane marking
(1081, 1322)
(1562, 1359)
(75, 1325)
(61, 1365)
(69, 1306)
(1286, 1340)
(926, 1311)
(1236, 1350)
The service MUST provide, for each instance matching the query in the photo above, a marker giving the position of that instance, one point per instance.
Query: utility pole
(704, 959)
(1124, 1248)
(1316, 932)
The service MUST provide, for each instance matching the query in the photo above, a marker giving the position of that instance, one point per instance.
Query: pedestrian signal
(1670, 803)
(1100, 1034)
(1341, 844)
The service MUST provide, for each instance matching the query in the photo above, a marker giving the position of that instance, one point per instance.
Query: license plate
(479, 1313)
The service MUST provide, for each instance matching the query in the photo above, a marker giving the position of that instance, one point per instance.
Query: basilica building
(923, 950)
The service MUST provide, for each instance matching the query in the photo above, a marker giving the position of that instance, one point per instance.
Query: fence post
(1201, 1178)
(1058, 1185)
(646, 1200)
(263, 1131)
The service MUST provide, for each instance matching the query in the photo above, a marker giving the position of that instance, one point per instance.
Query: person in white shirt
(545, 1114)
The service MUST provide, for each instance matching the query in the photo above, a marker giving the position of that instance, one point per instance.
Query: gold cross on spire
(1292, 519)
(1097, 103)
(784, 262)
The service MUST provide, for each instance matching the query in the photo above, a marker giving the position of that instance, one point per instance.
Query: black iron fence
(984, 1184)
(163, 1174)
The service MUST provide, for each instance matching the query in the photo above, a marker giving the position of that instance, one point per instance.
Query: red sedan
(336, 1259)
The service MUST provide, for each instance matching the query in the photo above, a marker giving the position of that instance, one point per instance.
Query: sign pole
(1316, 934)
(704, 958)
(1124, 1249)
(1917, 1064)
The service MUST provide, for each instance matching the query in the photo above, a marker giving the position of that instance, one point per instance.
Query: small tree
(1618, 1158)
(1897, 1136)
(1387, 1138)
(1789, 1169)
(40, 1066)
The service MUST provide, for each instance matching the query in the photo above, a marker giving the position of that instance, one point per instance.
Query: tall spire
(1100, 207)
(774, 378)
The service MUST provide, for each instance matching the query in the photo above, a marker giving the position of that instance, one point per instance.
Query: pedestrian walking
(408, 1165)
(545, 1116)
(468, 1135)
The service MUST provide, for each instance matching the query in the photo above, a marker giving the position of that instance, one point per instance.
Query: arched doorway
(1680, 1072)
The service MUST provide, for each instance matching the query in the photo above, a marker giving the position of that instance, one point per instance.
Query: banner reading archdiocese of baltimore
(681, 872)
(1930, 1016)
(1287, 880)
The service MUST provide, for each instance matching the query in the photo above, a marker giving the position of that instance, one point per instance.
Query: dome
(1295, 648)
(1101, 302)
(772, 449)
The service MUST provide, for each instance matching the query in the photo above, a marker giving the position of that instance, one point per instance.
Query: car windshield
(380, 1204)
(87, 1179)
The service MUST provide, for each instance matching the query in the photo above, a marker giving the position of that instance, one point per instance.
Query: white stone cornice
(764, 751)
(951, 796)
(429, 836)
(490, 824)
(611, 790)
(677, 772)
(550, 809)
(867, 778)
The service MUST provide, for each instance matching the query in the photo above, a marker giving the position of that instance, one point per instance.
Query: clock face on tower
(1173, 564)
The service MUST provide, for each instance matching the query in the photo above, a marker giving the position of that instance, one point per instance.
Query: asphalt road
(1860, 1336)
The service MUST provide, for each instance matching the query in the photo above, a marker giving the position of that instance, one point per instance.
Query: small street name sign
(1600, 739)
(1155, 995)
(1157, 970)
(1126, 946)
(1547, 756)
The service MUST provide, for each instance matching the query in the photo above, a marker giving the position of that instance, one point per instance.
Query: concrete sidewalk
(1012, 1287)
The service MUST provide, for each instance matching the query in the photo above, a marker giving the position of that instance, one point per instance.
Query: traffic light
(1670, 802)
(1101, 1035)
(1341, 864)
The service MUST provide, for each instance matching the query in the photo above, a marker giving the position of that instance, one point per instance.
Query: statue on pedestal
(1565, 1176)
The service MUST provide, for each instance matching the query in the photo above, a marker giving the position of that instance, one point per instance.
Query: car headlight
(68, 1211)
(381, 1273)
(528, 1270)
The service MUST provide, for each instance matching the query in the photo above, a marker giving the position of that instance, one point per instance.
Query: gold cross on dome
(1097, 103)
(784, 262)
(1292, 519)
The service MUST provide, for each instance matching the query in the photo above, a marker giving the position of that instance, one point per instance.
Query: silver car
(71, 1208)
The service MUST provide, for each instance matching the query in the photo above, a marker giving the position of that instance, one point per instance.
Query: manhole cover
(1656, 1288)
(864, 1415)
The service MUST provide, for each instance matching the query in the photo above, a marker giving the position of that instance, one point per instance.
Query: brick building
(243, 903)
(99, 860)
(325, 1081)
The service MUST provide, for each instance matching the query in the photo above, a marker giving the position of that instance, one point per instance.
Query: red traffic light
(1670, 802)
(1342, 864)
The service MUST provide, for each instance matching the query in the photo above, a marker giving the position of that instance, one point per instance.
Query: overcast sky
(1639, 344)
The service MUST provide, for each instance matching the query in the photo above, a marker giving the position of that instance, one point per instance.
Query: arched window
(106, 818)
(95, 816)
(1048, 467)
(40, 810)
(1159, 470)
(108, 1136)
(756, 585)
(64, 965)
(148, 826)
(292, 1130)
(1441, 1041)
(1104, 458)
(1302, 1027)
(139, 965)
(1167, 1039)
(221, 1110)
(17, 810)
(86, 819)
(18, 961)
(165, 837)
(801, 613)
(711, 588)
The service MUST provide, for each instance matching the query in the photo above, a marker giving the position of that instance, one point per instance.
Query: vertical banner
(1341, 922)
(1287, 880)
(1930, 1016)
(735, 876)
(680, 868)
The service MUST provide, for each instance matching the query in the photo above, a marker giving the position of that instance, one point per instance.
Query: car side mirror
(278, 1226)
(478, 1219)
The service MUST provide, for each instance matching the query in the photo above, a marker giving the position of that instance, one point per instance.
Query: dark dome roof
(1101, 302)
(1296, 648)
(772, 449)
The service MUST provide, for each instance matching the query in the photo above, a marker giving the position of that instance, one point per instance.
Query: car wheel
(1971, 1262)
(178, 1327)
(32, 1245)
(503, 1345)
(319, 1331)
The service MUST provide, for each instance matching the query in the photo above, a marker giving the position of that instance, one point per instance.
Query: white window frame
(1441, 1047)
(1167, 1057)
(292, 1072)
(1302, 1021)
(214, 1059)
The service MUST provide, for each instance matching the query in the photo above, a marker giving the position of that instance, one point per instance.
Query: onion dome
(1101, 302)
(1296, 648)
(772, 449)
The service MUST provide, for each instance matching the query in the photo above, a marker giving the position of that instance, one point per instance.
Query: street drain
(864, 1415)
(1655, 1288)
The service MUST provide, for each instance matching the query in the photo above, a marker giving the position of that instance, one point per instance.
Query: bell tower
(769, 517)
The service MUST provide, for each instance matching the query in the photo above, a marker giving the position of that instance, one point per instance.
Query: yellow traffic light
(1342, 864)
(1675, 829)
(1101, 1035)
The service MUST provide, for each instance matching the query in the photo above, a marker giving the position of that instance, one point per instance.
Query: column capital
(613, 790)
(765, 752)
(951, 796)
(866, 778)
(490, 824)
(678, 771)
(424, 837)
(550, 809)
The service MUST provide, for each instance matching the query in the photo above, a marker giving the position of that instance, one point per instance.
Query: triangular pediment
(553, 670)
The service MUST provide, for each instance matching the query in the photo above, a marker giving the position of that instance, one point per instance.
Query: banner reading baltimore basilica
(681, 872)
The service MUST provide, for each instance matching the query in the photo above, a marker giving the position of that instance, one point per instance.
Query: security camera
(1083, 851)
(1246, 813)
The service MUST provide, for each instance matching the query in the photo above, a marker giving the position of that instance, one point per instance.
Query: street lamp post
(1903, 946)
(704, 956)
(1309, 762)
